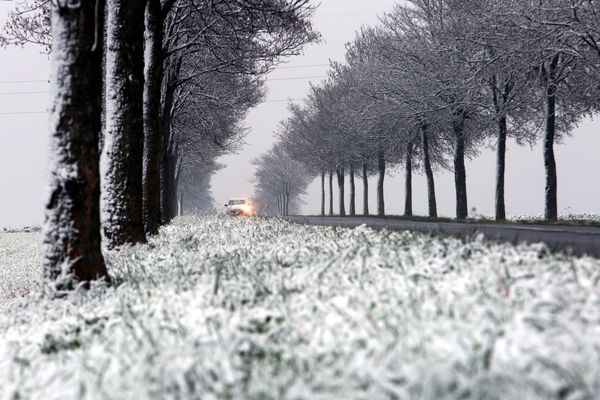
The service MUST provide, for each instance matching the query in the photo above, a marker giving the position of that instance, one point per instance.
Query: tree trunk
(279, 205)
(322, 194)
(408, 207)
(501, 169)
(331, 193)
(428, 173)
(342, 203)
(152, 138)
(460, 178)
(365, 178)
(124, 122)
(380, 182)
(180, 204)
(551, 208)
(352, 192)
(72, 251)
(166, 163)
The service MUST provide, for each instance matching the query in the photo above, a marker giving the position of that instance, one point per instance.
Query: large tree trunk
(322, 194)
(124, 122)
(500, 108)
(169, 147)
(501, 169)
(340, 178)
(71, 249)
(551, 209)
(432, 203)
(152, 137)
(331, 193)
(352, 192)
(365, 178)
(460, 177)
(408, 206)
(380, 182)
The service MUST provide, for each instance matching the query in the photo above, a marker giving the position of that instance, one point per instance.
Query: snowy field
(222, 308)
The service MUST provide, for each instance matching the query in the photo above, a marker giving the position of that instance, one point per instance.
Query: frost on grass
(218, 308)
(20, 271)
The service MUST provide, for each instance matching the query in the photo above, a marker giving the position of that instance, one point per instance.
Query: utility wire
(30, 81)
(14, 93)
(348, 14)
(303, 66)
(282, 101)
(296, 78)
(23, 112)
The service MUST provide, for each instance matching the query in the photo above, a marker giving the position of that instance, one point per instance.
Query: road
(580, 240)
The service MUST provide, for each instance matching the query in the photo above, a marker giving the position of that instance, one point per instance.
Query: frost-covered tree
(154, 17)
(123, 201)
(563, 74)
(206, 42)
(280, 181)
(29, 23)
(72, 251)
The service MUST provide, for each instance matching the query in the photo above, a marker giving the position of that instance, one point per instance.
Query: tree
(29, 23)
(280, 181)
(72, 252)
(206, 40)
(153, 76)
(123, 200)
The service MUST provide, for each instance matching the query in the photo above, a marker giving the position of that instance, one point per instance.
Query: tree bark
(365, 178)
(279, 205)
(551, 206)
(124, 123)
(380, 182)
(322, 194)
(342, 203)
(501, 169)
(331, 193)
(460, 177)
(352, 192)
(71, 246)
(152, 136)
(432, 203)
(408, 206)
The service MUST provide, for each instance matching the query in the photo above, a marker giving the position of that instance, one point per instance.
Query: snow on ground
(226, 308)
(19, 264)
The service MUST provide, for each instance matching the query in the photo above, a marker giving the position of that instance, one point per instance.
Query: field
(226, 308)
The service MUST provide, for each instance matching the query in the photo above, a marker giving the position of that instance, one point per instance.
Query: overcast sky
(24, 133)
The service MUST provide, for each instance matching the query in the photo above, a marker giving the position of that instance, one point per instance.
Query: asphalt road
(579, 240)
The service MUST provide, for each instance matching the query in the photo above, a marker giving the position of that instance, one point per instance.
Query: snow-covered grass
(226, 308)
(19, 264)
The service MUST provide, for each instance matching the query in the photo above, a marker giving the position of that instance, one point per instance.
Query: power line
(282, 101)
(303, 66)
(29, 81)
(297, 78)
(13, 93)
(348, 14)
(23, 112)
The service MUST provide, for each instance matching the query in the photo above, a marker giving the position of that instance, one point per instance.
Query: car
(239, 207)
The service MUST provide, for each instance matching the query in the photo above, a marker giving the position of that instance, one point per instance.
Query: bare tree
(123, 201)
(72, 250)
(280, 181)
(29, 23)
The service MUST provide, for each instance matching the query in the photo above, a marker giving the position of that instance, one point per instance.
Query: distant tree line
(435, 82)
(162, 88)
(280, 182)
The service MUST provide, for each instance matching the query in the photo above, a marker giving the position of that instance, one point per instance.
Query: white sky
(23, 138)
